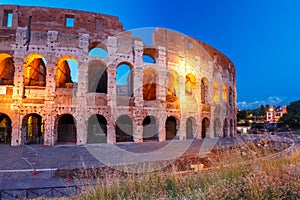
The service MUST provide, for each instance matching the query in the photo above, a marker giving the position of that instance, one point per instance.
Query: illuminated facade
(187, 91)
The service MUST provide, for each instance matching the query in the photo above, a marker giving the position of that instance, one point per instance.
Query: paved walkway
(17, 163)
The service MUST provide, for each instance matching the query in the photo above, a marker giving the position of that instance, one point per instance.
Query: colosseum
(75, 77)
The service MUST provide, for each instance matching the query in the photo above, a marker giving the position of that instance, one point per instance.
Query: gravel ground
(72, 156)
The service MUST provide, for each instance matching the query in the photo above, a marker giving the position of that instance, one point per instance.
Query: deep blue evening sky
(261, 37)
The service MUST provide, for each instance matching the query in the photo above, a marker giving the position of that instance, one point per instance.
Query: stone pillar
(18, 89)
(111, 133)
(81, 131)
(162, 70)
(182, 128)
(138, 86)
(16, 127)
(49, 122)
(162, 131)
(111, 88)
(138, 133)
(138, 73)
(50, 83)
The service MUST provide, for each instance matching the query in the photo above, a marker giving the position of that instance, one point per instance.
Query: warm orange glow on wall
(216, 92)
(35, 70)
(172, 84)
(204, 91)
(225, 93)
(7, 69)
(190, 83)
(149, 84)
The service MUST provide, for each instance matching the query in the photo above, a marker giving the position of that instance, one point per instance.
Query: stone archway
(7, 69)
(33, 125)
(150, 132)
(149, 84)
(205, 127)
(97, 77)
(171, 129)
(66, 129)
(5, 129)
(97, 129)
(190, 128)
(225, 128)
(217, 127)
(124, 129)
(35, 71)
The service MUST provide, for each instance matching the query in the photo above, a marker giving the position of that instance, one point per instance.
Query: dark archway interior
(150, 132)
(7, 70)
(171, 128)
(97, 78)
(124, 129)
(225, 128)
(97, 130)
(205, 126)
(66, 129)
(35, 73)
(189, 129)
(34, 129)
(149, 84)
(63, 75)
(5, 129)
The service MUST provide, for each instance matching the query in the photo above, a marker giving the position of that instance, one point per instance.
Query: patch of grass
(262, 179)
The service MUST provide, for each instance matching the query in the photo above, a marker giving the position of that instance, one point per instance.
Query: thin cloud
(272, 101)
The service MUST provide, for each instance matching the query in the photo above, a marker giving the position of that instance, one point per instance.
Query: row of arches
(67, 77)
(35, 71)
(33, 129)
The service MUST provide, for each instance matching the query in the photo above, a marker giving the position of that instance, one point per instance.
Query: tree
(242, 115)
(292, 118)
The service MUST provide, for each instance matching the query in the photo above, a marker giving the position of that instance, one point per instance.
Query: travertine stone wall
(42, 32)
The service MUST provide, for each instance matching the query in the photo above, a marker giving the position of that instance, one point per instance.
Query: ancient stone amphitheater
(69, 76)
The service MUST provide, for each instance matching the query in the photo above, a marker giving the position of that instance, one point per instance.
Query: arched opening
(217, 127)
(149, 84)
(7, 69)
(205, 127)
(150, 132)
(150, 55)
(67, 72)
(98, 49)
(172, 86)
(225, 93)
(225, 128)
(35, 71)
(124, 80)
(66, 129)
(97, 129)
(148, 59)
(5, 129)
(231, 128)
(33, 125)
(124, 129)
(216, 92)
(190, 83)
(190, 128)
(97, 77)
(204, 91)
(230, 96)
(98, 52)
(171, 129)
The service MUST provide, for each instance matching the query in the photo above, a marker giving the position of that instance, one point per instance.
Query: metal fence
(46, 192)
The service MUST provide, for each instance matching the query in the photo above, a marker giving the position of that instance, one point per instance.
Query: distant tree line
(292, 118)
(257, 114)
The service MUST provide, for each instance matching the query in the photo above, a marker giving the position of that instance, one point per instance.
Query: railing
(47, 192)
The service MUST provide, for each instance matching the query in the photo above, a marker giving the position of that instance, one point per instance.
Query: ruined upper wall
(41, 19)
(191, 47)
